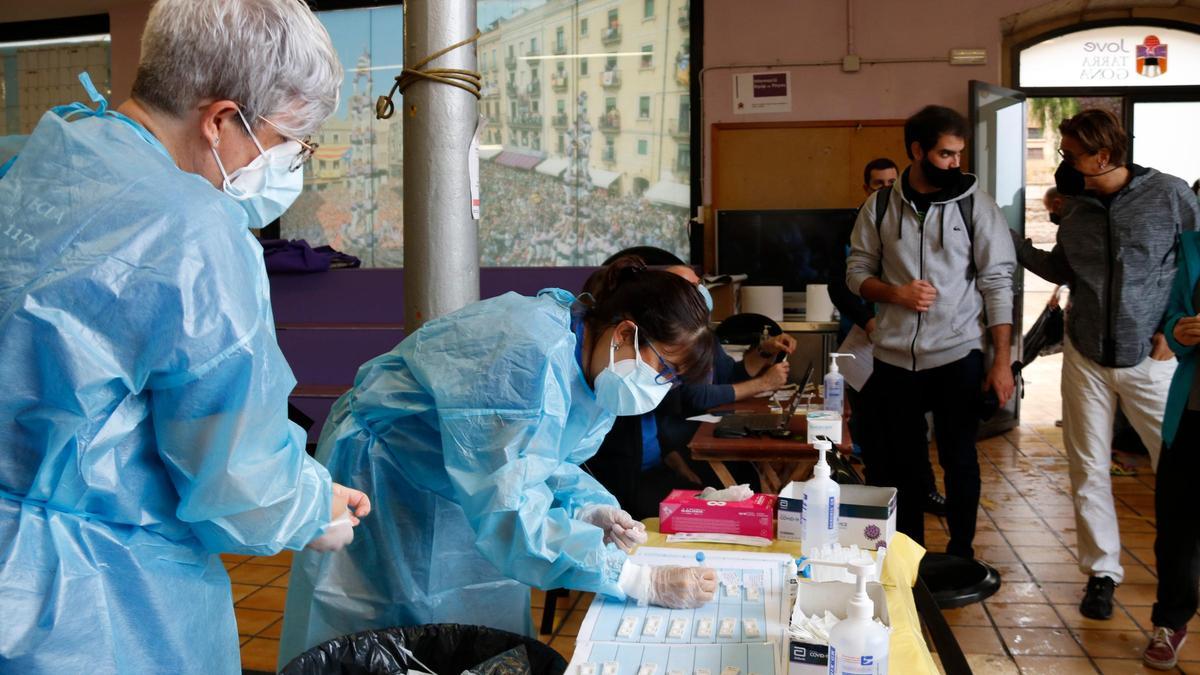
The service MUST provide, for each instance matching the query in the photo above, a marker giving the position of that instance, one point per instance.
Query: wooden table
(778, 461)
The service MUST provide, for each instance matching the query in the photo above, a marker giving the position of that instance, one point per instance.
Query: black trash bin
(446, 649)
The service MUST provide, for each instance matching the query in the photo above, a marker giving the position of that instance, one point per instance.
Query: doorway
(1045, 113)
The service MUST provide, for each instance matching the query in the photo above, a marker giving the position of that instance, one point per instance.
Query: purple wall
(329, 324)
(375, 296)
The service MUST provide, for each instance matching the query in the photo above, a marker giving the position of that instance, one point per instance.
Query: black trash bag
(512, 662)
(446, 649)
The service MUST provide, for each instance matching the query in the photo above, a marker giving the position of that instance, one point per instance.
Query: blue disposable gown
(142, 409)
(468, 436)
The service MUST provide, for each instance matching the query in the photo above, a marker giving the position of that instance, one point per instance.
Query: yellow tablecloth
(907, 652)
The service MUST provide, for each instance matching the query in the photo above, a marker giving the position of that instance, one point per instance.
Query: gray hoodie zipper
(921, 268)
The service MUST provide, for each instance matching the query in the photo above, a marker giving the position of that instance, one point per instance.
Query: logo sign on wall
(762, 93)
(1151, 57)
(1113, 56)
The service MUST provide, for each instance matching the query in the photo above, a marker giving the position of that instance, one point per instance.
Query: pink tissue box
(682, 511)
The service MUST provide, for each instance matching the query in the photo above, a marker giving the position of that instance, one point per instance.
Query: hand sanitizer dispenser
(822, 497)
(835, 385)
(858, 645)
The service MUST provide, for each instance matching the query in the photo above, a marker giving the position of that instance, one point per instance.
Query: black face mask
(1068, 180)
(939, 177)
(1056, 219)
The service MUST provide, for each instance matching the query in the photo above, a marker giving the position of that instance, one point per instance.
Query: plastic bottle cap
(860, 605)
(833, 357)
(821, 469)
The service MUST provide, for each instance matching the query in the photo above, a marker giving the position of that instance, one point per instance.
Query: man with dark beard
(934, 254)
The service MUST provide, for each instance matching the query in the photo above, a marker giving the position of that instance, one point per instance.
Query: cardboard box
(866, 515)
(725, 299)
(682, 511)
(814, 598)
(824, 423)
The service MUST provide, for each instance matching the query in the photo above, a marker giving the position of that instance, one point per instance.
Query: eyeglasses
(307, 146)
(666, 372)
(1068, 156)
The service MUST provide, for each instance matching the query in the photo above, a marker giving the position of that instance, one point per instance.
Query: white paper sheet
(858, 369)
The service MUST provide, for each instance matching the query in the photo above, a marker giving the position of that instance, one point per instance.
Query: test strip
(675, 672)
(753, 594)
(731, 670)
(750, 628)
(611, 668)
(648, 669)
(732, 590)
(703, 671)
(704, 628)
(728, 624)
(587, 669)
(652, 624)
(677, 629)
(626, 628)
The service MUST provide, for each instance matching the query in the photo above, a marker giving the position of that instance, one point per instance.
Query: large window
(39, 74)
(562, 183)
(352, 197)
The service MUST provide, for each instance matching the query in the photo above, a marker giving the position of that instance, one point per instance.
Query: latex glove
(347, 506)
(619, 527)
(737, 493)
(670, 586)
(355, 502)
(337, 536)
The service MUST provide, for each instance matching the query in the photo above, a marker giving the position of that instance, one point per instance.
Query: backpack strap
(881, 205)
(966, 209)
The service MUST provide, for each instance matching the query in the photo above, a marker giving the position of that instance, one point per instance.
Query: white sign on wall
(762, 93)
(1114, 56)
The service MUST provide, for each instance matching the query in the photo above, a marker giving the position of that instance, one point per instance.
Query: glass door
(997, 158)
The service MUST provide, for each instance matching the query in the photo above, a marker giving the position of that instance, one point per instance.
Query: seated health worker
(143, 425)
(469, 435)
(642, 459)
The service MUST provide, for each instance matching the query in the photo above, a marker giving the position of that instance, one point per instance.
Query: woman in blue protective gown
(469, 435)
(143, 419)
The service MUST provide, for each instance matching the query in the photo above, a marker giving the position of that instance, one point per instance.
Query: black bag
(443, 648)
(1045, 336)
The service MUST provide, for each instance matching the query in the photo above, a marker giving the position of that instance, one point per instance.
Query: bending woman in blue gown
(469, 435)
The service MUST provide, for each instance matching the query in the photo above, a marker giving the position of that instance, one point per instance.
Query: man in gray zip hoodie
(1116, 248)
(938, 263)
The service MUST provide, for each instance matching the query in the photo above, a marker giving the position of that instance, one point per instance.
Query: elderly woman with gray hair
(143, 422)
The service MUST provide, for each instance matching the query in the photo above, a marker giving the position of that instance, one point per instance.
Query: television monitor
(790, 248)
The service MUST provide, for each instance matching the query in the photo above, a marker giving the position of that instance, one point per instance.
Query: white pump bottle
(858, 645)
(822, 497)
(835, 386)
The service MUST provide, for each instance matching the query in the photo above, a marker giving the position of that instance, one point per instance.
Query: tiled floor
(1026, 529)
(260, 589)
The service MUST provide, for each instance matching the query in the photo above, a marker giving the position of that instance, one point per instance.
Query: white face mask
(629, 386)
(267, 186)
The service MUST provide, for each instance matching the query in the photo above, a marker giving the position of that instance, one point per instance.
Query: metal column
(441, 244)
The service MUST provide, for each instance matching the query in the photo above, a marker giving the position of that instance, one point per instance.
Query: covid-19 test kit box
(812, 658)
(866, 515)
